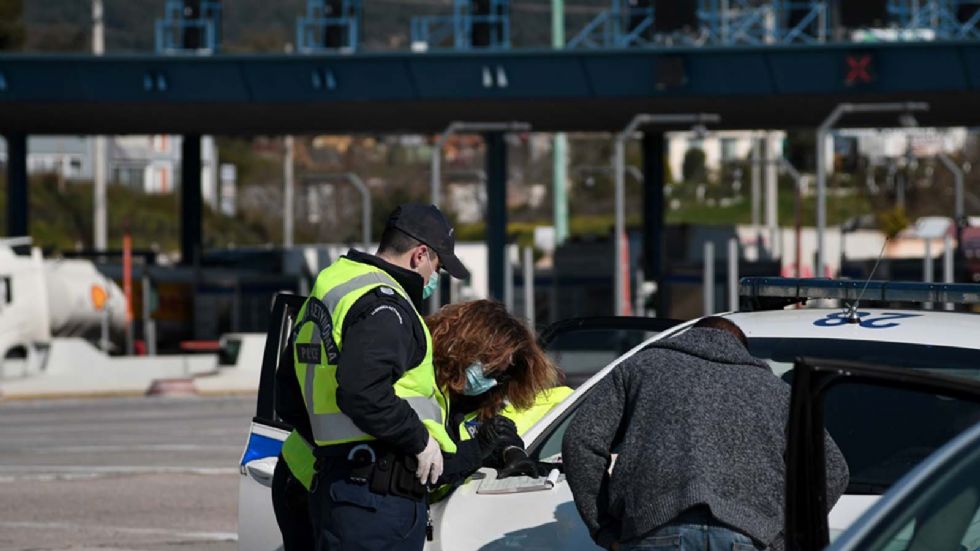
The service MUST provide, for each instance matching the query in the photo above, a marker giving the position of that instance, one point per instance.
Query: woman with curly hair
(491, 366)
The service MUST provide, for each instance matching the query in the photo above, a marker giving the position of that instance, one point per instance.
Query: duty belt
(384, 471)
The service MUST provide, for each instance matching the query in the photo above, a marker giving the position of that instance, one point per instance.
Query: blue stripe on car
(260, 447)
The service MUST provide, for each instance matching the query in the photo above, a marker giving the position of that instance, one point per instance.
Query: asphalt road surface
(121, 474)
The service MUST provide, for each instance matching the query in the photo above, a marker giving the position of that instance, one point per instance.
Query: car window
(945, 514)
(582, 353)
(276, 354)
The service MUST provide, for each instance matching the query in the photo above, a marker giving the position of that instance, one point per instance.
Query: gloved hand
(516, 462)
(494, 433)
(430, 462)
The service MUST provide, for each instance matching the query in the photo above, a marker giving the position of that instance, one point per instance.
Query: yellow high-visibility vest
(523, 418)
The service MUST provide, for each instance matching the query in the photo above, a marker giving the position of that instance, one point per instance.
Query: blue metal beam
(569, 90)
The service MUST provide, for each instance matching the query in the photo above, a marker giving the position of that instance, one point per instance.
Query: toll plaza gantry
(750, 87)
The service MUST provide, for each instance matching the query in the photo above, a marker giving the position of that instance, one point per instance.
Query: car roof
(929, 327)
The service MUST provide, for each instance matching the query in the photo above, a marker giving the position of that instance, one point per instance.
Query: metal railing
(176, 32)
(751, 22)
(321, 29)
(461, 29)
(944, 18)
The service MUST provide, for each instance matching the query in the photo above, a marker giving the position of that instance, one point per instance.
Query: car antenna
(852, 315)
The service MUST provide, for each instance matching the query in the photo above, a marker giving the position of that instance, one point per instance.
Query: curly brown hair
(483, 330)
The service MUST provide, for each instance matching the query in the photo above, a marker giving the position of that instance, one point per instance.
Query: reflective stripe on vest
(318, 378)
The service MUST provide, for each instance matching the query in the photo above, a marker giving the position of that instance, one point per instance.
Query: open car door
(482, 515)
(806, 500)
(257, 528)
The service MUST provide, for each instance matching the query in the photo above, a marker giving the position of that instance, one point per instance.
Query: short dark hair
(395, 241)
(722, 324)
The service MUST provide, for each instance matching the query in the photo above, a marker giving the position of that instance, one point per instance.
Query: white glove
(430, 462)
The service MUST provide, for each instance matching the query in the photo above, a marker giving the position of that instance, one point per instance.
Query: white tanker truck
(41, 299)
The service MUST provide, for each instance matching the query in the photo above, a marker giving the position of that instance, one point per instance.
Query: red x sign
(858, 69)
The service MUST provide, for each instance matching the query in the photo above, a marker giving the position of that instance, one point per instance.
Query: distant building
(150, 164)
(890, 143)
(720, 147)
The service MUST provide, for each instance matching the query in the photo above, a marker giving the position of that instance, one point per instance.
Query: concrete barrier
(242, 376)
(73, 368)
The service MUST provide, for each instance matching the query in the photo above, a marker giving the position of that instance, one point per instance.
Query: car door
(257, 528)
(542, 518)
(806, 519)
(937, 506)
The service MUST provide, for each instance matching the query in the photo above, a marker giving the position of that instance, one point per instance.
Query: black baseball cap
(427, 224)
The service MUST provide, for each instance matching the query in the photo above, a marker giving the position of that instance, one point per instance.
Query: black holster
(394, 474)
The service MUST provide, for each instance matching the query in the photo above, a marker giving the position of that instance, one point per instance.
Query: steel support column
(496, 159)
(190, 198)
(17, 198)
(653, 213)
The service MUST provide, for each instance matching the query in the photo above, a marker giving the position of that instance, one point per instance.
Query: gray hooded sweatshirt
(695, 420)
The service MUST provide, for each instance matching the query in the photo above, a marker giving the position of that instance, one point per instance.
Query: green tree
(892, 221)
(693, 168)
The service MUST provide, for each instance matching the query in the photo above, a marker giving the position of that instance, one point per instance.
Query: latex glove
(494, 432)
(516, 462)
(430, 462)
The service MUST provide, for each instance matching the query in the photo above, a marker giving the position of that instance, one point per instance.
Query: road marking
(136, 447)
(47, 473)
(208, 536)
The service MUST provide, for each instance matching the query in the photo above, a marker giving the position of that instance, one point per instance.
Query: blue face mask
(431, 286)
(476, 382)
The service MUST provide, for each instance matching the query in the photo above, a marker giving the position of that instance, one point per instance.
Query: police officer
(364, 371)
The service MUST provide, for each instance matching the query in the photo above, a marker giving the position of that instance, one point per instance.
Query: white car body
(548, 519)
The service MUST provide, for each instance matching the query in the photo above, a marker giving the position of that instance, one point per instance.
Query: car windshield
(882, 432)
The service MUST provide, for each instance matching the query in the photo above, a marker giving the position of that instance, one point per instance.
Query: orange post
(128, 275)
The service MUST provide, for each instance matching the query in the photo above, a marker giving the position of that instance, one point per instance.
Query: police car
(883, 431)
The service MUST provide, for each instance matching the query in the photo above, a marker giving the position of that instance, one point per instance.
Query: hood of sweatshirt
(713, 345)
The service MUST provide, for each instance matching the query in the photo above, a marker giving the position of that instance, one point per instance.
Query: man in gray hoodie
(699, 429)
